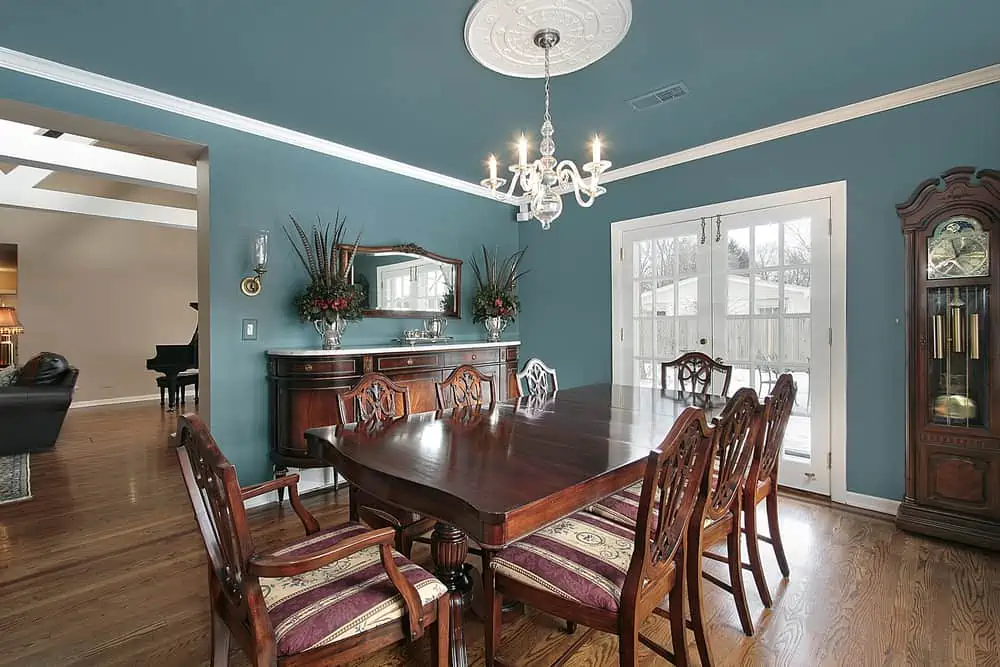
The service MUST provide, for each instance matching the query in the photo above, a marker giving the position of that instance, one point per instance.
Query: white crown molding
(78, 78)
(983, 76)
(98, 83)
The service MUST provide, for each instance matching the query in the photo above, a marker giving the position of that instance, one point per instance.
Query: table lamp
(10, 328)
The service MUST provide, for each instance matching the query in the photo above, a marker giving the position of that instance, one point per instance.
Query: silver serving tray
(423, 340)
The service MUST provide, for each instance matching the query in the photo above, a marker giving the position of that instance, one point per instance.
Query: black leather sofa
(32, 410)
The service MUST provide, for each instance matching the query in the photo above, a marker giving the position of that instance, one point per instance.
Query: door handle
(703, 341)
(810, 476)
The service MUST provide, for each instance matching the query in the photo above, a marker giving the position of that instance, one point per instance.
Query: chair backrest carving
(737, 432)
(694, 373)
(537, 380)
(216, 499)
(464, 386)
(676, 477)
(375, 399)
(777, 412)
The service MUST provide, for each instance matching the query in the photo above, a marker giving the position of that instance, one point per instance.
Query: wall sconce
(251, 284)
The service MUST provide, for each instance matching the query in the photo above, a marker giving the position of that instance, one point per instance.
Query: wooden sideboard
(303, 384)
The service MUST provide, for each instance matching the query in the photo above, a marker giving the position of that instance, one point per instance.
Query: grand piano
(172, 360)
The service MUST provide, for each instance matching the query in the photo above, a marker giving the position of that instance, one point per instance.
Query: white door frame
(836, 192)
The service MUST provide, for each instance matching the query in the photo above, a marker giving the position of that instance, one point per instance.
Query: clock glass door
(957, 369)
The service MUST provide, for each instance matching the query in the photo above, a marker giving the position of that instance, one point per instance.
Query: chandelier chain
(547, 115)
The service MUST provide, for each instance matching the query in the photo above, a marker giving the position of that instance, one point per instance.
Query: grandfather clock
(951, 227)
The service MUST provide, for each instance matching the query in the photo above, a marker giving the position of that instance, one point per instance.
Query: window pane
(687, 298)
(687, 254)
(687, 335)
(766, 245)
(644, 333)
(737, 294)
(798, 241)
(738, 248)
(645, 373)
(796, 341)
(644, 298)
(642, 259)
(664, 298)
(666, 342)
(737, 340)
(765, 339)
(666, 256)
(766, 291)
(797, 290)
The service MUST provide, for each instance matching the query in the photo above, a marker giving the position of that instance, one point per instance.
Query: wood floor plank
(103, 567)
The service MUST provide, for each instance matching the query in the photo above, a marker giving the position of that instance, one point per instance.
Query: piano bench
(184, 380)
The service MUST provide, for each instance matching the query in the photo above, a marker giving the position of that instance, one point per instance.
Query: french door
(750, 288)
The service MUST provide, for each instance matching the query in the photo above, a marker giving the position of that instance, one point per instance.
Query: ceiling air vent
(658, 97)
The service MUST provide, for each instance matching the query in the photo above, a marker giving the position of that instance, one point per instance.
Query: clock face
(958, 249)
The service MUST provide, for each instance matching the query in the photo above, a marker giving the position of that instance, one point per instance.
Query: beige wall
(103, 293)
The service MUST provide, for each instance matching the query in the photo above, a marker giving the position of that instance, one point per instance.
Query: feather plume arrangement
(330, 293)
(496, 294)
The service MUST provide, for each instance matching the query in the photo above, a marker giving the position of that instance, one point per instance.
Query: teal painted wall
(255, 184)
(566, 296)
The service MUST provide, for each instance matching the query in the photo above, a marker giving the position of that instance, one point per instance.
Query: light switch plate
(249, 329)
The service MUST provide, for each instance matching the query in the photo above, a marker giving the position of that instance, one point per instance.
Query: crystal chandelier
(544, 180)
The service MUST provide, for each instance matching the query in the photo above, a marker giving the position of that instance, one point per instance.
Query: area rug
(15, 478)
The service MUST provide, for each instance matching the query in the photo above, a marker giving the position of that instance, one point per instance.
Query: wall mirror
(406, 281)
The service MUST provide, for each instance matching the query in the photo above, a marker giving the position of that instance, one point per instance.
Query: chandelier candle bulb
(597, 150)
(493, 168)
(522, 152)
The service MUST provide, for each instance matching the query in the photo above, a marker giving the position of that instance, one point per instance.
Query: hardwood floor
(103, 567)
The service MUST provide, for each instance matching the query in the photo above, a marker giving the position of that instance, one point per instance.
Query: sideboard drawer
(297, 367)
(407, 361)
(473, 357)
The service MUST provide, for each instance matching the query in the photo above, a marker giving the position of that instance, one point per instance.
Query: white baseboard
(310, 479)
(873, 503)
(114, 401)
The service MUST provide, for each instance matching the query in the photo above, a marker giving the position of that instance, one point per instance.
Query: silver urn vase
(494, 327)
(434, 326)
(331, 332)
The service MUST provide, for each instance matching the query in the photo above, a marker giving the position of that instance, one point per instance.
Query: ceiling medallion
(500, 34)
(544, 180)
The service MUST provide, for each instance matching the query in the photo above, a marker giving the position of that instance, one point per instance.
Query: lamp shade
(8, 321)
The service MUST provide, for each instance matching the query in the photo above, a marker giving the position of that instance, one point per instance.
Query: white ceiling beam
(48, 153)
(101, 207)
(29, 177)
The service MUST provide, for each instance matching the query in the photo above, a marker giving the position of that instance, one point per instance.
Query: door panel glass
(796, 286)
(665, 298)
(644, 331)
(666, 341)
(766, 245)
(642, 256)
(796, 340)
(644, 297)
(738, 249)
(798, 242)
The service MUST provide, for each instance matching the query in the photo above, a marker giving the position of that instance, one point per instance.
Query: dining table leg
(449, 548)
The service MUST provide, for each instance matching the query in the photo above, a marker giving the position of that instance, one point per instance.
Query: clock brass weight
(958, 249)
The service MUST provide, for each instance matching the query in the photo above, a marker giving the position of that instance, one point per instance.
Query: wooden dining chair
(374, 402)
(589, 570)
(694, 373)
(717, 519)
(762, 482)
(464, 386)
(537, 380)
(334, 596)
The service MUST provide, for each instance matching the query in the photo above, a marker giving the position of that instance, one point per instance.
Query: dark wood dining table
(502, 472)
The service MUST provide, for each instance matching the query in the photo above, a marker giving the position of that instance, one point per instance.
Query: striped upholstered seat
(582, 558)
(621, 507)
(342, 599)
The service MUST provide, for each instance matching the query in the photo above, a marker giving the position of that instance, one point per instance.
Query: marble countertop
(397, 347)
